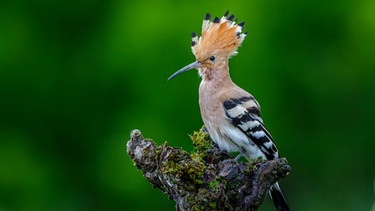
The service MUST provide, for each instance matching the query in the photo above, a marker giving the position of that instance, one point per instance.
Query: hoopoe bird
(230, 114)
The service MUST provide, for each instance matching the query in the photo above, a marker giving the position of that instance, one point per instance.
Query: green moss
(202, 143)
(195, 172)
(191, 169)
(213, 184)
(172, 168)
(157, 151)
(201, 140)
(212, 205)
(183, 166)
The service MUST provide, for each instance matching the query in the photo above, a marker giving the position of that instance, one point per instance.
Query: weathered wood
(209, 178)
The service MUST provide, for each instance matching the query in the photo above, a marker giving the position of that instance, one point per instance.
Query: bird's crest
(218, 36)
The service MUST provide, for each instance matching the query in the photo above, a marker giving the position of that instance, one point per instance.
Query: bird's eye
(212, 58)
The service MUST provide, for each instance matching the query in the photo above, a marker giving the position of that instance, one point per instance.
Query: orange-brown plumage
(223, 37)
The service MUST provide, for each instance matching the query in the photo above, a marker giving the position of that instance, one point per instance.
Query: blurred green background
(77, 76)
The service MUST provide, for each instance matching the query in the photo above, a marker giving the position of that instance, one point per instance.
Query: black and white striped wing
(244, 113)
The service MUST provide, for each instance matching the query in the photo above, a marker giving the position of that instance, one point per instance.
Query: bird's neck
(218, 76)
(214, 83)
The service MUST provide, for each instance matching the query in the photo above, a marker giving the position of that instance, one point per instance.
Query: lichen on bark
(208, 178)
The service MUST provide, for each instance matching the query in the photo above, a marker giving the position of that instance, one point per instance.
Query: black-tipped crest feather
(231, 17)
(226, 13)
(208, 16)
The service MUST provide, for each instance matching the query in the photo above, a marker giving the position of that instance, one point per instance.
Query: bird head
(219, 41)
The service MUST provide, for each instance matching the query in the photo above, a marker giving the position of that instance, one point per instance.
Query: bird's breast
(212, 110)
(209, 101)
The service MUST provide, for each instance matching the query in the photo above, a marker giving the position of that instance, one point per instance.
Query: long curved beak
(193, 65)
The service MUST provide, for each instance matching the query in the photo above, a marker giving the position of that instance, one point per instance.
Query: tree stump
(207, 179)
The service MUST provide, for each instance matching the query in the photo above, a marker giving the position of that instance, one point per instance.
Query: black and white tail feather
(278, 198)
(244, 114)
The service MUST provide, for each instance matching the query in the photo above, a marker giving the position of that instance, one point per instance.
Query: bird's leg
(238, 157)
(242, 153)
(234, 160)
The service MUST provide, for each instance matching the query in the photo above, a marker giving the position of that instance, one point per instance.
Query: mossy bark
(209, 178)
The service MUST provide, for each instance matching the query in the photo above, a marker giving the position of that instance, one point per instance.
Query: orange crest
(220, 36)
